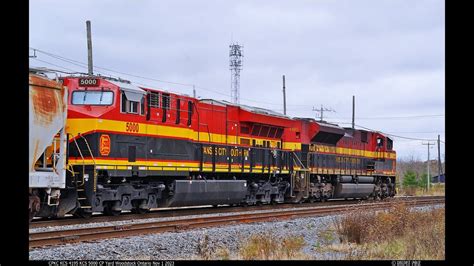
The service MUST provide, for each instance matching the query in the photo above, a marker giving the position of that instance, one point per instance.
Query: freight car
(47, 142)
(136, 148)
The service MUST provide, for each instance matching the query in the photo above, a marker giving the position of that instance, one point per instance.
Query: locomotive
(136, 148)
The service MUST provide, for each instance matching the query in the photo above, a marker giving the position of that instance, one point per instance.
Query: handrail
(208, 132)
(79, 150)
(83, 162)
(299, 161)
(88, 147)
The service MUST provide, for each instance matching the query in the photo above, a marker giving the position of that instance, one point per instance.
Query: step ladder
(80, 187)
(302, 188)
(82, 198)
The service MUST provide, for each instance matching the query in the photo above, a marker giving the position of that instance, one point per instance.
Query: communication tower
(235, 55)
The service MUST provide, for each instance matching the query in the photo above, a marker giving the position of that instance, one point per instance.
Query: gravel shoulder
(316, 231)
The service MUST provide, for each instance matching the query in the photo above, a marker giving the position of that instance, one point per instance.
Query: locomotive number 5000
(132, 127)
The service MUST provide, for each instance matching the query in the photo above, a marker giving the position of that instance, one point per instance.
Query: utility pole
(89, 48)
(428, 177)
(34, 54)
(321, 112)
(353, 110)
(284, 96)
(439, 159)
(194, 91)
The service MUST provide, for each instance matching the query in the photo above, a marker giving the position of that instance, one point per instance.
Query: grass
(399, 233)
(268, 247)
(435, 190)
(263, 246)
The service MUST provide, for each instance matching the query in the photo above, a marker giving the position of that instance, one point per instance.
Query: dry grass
(268, 247)
(435, 190)
(399, 233)
(263, 246)
(208, 251)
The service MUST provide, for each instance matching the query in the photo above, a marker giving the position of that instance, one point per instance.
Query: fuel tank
(350, 190)
(206, 192)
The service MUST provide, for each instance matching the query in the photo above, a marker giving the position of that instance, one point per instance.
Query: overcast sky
(389, 54)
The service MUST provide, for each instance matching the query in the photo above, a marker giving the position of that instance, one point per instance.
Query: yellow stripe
(82, 125)
(172, 166)
(127, 163)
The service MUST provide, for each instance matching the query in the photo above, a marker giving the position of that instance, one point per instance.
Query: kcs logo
(104, 145)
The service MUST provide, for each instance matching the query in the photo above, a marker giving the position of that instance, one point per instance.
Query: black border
(15, 184)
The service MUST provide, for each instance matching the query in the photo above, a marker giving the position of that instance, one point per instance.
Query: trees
(409, 179)
(423, 182)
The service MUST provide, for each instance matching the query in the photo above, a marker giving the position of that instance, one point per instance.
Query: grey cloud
(389, 53)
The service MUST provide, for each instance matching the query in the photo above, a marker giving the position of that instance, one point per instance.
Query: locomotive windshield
(92, 97)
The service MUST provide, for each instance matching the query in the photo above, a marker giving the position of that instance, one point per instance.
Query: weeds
(204, 250)
(268, 247)
(207, 250)
(399, 233)
(435, 190)
(263, 246)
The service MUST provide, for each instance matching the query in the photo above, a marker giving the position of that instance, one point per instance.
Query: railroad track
(41, 239)
(160, 213)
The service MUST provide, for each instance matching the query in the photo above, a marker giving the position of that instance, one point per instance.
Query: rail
(41, 239)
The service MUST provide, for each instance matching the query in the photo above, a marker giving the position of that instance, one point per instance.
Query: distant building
(438, 179)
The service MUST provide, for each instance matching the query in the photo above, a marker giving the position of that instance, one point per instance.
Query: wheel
(34, 206)
(136, 207)
(109, 211)
(83, 213)
(140, 210)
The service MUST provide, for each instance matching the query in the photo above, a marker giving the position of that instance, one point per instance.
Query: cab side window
(132, 106)
(389, 144)
(379, 142)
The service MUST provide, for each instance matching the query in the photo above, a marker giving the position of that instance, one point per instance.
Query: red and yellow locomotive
(136, 148)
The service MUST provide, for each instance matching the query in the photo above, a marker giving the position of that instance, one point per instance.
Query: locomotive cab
(96, 97)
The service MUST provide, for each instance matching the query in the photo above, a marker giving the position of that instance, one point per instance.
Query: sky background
(389, 54)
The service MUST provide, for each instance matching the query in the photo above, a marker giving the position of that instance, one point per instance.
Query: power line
(145, 85)
(394, 117)
(49, 63)
(417, 132)
(84, 65)
(393, 135)
(321, 111)
(99, 72)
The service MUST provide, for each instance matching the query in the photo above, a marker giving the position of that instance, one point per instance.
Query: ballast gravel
(185, 245)
(148, 220)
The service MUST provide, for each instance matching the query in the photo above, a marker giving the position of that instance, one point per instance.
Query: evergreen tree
(423, 183)
(409, 179)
